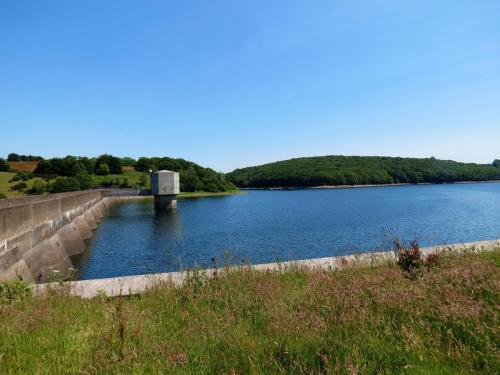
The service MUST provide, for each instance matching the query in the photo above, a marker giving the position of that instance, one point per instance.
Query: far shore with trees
(28, 174)
(72, 173)
(360, 170)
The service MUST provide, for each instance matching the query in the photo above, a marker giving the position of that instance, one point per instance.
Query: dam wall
(39, 234)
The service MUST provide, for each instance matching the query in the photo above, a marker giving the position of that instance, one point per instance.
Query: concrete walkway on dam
(130, 285)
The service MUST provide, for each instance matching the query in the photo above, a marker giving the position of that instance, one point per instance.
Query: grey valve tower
(165, 187)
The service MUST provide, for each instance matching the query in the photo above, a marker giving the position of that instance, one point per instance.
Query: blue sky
(234, 83)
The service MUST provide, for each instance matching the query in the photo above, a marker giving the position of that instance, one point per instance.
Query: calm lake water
(263, 226)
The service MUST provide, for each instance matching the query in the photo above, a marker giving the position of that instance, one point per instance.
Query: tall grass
(356, 321)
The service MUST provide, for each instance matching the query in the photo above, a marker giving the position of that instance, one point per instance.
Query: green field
(5, 186)
(130, 174)
(357, 321)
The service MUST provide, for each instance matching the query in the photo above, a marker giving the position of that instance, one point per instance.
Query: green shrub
(124, 184)
(22, 176)
(3, 196)
(4, 166)
(20, 186)
(39, 187)
(107, 182)
(102, 169)
(143, 180)
(14, 291)
(85, 181)
(64, 184)
(411, 260)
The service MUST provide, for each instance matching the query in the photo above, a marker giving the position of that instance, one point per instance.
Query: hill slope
(354, 170)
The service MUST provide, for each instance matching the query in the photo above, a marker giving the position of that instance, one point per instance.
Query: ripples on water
(262, 226)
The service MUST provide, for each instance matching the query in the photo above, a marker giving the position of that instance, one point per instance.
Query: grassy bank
(6, 186)
(356, 321)
(199, 194)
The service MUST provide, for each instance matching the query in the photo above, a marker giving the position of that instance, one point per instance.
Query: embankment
(137, 284)
(39, 234)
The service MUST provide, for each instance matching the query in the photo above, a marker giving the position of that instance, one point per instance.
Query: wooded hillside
(354, 170)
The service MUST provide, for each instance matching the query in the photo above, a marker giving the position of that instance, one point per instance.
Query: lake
(263, 226)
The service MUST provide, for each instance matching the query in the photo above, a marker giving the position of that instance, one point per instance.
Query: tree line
(361, 170)
(72, 173)
(192, 176)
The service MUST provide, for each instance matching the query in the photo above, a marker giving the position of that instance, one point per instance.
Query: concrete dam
(40, 234)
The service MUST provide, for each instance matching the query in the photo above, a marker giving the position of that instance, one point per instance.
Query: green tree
(127, 161)
(64, 184)
(85, 181)
(143, 180)
(39, 187)
(13, 157)
(114, 163)
(102, 170)
(4, 166)
(144, 165)
(496, 163)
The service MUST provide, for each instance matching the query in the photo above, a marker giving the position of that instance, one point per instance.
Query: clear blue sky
(234, 83)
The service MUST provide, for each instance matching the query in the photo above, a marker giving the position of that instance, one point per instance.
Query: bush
(39, 187)
(102, 170)
(85, 181)
(408, 258)
(19, 186)
(4, 166)
(64, 184)
(3, 196)
(124, 184)
(143, 180)
(22, 176)
(107, 182)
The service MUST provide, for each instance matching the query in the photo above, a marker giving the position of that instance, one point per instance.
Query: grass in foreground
(356, 321)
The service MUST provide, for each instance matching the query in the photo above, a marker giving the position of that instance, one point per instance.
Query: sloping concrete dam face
(38, 235)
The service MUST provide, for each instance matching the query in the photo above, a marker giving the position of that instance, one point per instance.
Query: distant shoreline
(368, 185)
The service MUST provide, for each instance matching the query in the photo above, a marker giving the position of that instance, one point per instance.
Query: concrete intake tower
(165, 188)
